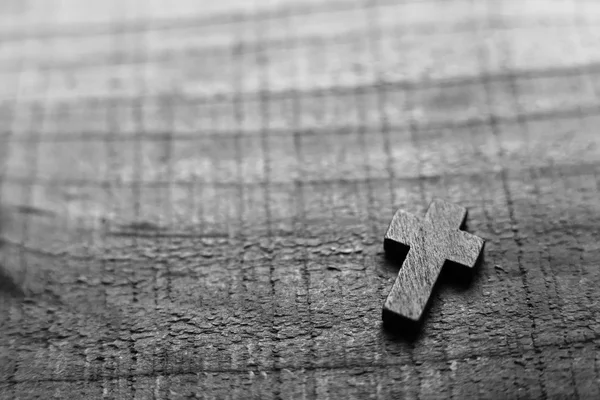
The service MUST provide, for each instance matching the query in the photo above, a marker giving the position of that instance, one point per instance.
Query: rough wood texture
(432, 242)
(201, 191)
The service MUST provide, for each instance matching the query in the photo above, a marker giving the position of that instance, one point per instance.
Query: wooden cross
(432, 241)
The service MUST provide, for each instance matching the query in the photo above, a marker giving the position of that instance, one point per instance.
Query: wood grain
(194, 196)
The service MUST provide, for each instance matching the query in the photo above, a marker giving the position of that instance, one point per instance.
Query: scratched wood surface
(194, 197)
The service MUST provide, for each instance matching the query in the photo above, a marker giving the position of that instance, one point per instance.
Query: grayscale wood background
(194, 196)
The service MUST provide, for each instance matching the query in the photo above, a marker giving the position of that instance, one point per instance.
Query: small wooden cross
(432, 241)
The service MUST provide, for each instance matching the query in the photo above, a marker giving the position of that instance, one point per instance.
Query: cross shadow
(459, 277)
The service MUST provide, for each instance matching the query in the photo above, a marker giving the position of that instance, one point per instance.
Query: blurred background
(191, 118)
(129, 127)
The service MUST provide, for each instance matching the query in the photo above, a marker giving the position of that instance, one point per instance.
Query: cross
(432, 241)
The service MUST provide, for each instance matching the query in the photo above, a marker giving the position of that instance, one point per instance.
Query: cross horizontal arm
(463, 248)
(404, 228)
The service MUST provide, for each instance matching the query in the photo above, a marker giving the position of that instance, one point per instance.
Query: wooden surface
(194, 197)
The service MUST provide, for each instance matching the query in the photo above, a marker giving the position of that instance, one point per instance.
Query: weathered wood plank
(203, 194)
